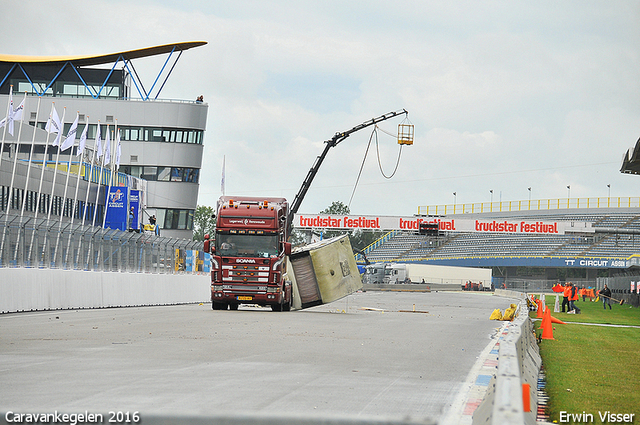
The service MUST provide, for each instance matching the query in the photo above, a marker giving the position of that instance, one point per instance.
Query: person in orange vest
(565, 296)
(575, 296)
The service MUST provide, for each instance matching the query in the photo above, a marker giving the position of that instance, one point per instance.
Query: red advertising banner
(324, 221)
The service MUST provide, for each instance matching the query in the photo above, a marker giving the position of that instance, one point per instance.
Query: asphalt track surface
(368, 355)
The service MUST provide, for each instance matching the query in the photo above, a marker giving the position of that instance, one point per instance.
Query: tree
(360, 239)
(203, 222)
(337, 208)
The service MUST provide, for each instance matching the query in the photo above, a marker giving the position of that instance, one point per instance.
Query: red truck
(249, 253)
(249, 257)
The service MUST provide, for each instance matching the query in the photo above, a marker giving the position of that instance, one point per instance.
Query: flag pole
(107, 150)
(55, 169)
(46, 148)
(53, 181)
(26, 185)
(79, 152)
(99, 147)
(107, 157)
(33, 141)
(4, 125)
(86, 199)
(222, 181)
(89, 181)
(13, 172)
(64, 146)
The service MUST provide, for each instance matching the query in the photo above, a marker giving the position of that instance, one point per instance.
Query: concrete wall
(519, 363)
(23, 289)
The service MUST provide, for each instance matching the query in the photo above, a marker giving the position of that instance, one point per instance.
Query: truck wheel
(276, 307)
(286, 307)
(233, 306)
(219, 306)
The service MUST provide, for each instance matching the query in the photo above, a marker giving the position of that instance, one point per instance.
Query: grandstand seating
(410, 246)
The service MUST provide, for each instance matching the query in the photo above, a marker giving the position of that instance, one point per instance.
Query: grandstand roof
(89, 60)
(631, 160)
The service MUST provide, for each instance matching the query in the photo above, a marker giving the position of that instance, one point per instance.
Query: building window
(175, 219)
(164, 174)
(171, 135)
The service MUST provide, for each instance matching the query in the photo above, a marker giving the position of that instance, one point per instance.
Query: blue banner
(569, 262)
(190, 261)
(116, 207)
(206, 267)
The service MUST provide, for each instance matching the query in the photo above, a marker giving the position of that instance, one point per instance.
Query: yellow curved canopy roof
(102, 59)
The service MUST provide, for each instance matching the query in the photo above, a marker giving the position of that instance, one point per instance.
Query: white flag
(223, 176)
(118, 150)
(54, 126)
(14, 114)
(83, 139)
(107, 148)
(71, 136)
(99, 142)
(17, 113)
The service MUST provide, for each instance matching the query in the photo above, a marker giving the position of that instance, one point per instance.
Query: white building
(162, 140)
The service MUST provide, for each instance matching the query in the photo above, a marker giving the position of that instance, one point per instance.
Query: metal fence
(530, 205)
(42, 243)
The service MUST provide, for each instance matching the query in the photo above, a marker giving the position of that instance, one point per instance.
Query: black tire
(286, 307)
(276, 307)
(233, 306)
(219, 306)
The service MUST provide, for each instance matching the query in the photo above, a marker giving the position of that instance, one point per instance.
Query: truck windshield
(262, 246)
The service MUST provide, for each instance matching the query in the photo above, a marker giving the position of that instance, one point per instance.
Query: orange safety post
(526, 398)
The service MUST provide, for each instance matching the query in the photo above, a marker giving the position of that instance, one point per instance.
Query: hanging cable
(375, 132)
(380, 163)
(362, 166)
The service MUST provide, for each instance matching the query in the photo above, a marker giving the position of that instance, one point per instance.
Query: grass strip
(592, 369)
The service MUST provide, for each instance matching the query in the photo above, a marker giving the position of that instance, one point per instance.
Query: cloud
(504, 96)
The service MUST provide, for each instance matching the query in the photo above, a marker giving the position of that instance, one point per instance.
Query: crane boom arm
(337, 138)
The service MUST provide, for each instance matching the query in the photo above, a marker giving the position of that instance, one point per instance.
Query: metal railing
(530, 205)
(39, 243)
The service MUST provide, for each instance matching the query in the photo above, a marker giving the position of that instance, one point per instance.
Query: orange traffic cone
(547, 332)
(539, 313)
(558, 321)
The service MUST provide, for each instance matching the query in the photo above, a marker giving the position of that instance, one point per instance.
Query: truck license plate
(244, 298)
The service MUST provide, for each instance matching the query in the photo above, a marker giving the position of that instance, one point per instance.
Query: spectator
(131, 217)
(605, 293)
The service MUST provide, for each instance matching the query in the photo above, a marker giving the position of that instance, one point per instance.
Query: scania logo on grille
(245, 260)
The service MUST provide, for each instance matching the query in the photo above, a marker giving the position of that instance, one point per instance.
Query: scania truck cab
(248, 257)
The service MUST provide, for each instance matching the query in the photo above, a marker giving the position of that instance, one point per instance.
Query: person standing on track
(605, 293)
(575, 296)
(565, 296)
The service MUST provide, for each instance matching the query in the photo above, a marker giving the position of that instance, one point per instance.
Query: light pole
(609, 187)
(491, 192)
(568, 191)
(454, 202)
(529, 189)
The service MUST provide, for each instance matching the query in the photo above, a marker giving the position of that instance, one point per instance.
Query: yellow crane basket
(405, 132)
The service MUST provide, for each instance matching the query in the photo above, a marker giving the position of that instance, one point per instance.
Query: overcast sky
(504, 95)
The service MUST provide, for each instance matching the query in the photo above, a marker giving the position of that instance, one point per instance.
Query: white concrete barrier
(24, 289)
(518, 363)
